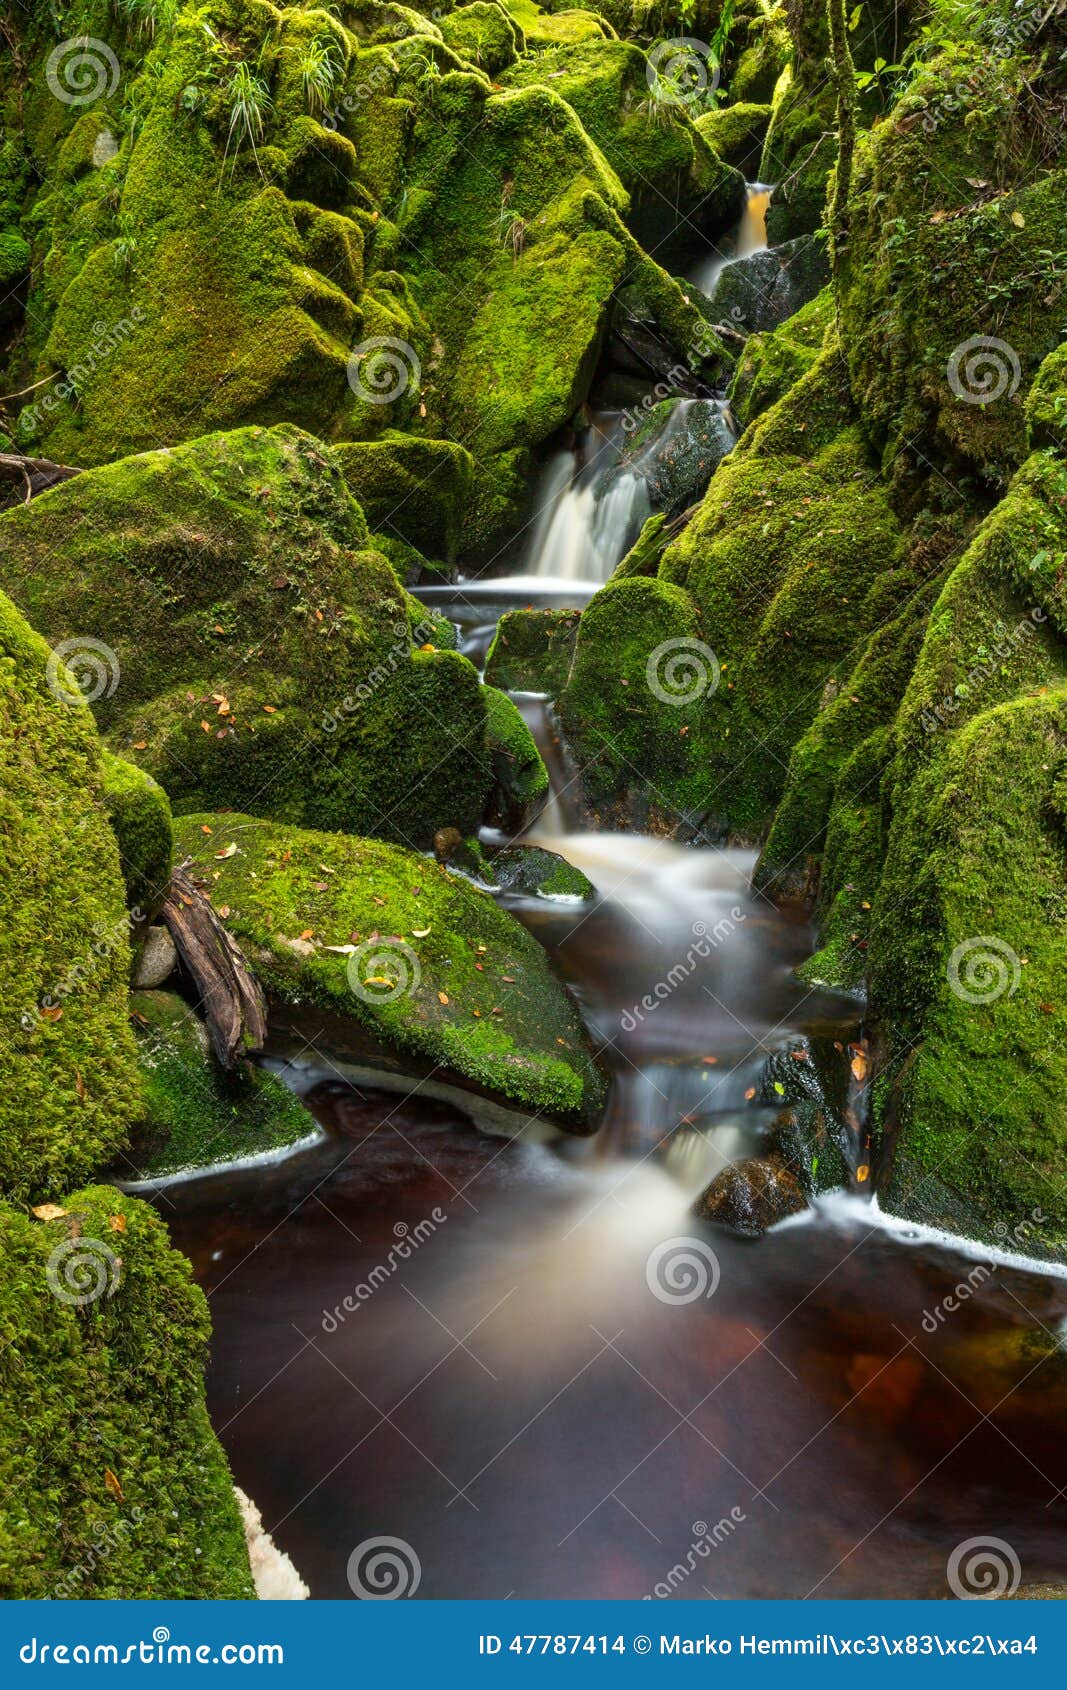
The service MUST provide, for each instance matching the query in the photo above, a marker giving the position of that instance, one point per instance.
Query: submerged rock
(422, 967)
(752, 1196)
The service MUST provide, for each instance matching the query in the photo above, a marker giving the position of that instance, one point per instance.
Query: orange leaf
(113, 1485)
(442, 997)
(863, 1172)
(859, 1067)
(117, 1223)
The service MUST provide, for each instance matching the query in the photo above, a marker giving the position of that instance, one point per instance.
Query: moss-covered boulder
(520, 779)
(431, 968)
(113, 1484)
(532, 651)
(411, 489)
(737, 133)
(69, 1083)
(139, 812)
(533, 872)
(194, 1114)
(254, 651)
(771, 363)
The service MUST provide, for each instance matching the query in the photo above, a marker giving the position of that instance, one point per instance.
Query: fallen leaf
(442, 997)
(48, 1211)
(709, 1061)
(113, 1485)
(117, 1223)
(863, 1172)
(1018, 219)
(750, 1094)
(419, 932)
(140, 745)
(859, 1067)
(223, 704)
(307, 933)
(206, 727)
(271, 709)
(205, 829)
(227, 851)
(224, 910)
(54, 1012)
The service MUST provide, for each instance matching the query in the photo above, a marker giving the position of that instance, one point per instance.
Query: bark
(232, 1000)
(845, 81)
(35, 475)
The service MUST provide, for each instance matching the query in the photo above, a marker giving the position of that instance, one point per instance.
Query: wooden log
(231, 998)
(35, 474)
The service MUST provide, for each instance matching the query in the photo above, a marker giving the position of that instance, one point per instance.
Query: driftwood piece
(35, 474)
(232, 1000)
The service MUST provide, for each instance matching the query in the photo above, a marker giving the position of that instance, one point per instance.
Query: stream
(564, 1385)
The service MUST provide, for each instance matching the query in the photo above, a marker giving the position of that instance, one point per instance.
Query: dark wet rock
(753, 1195)
(760, 291)
(539, 873)
(677, 449)
(463, 856)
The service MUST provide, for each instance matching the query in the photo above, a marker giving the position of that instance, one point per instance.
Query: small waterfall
(587, 516)
(749, 236)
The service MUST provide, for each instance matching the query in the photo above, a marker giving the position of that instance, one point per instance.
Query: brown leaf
(117, 1223)
(863, 1172)
(54, 1012)
(113, 1485)
(48, 1211)
(442, 997)
(859, 1067)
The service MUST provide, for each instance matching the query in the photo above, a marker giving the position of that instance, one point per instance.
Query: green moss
(411, 489)
(520, 778)
(645, 553)
(66, 1056)
(736, 133)
(263, 657)
(139, 813)
(529, 870)
(484, 33)
(771, 363)
(637, 747)
(196, 1115)
(532, 651)
(113, 1483)
(495, 1017)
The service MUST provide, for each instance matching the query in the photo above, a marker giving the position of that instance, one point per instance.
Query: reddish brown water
(517, 1405)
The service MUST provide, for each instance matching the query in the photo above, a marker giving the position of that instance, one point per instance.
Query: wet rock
(677, 449)
(463, 856)
(753, 1195)
(157, 961)
(760, 291)
(542, 874)
(532, 651)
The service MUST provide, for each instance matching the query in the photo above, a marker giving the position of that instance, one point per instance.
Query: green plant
(512, 230)
(144, 17)
(249, 103)
(321, 69)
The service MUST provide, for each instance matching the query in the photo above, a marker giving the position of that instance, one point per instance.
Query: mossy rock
(534, 872)
(520, 779)
(632, 706)
(532, 651)
(484, 33)
(244, 622)
(113, 1482)
(196, 1115)
(139, 812)
(411, 489)
(771, 363)
(66, 1054)
(646, 551)
(737, 133)
(406, 964)
(664, 165)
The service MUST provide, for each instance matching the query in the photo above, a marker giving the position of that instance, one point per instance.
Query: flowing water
(749, 236)
(529, 1366)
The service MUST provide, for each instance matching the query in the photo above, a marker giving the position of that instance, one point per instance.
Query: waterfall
(749, 236)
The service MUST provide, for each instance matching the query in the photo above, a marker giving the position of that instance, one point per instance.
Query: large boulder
(67, 1077)
(245, 646)
(421, 965)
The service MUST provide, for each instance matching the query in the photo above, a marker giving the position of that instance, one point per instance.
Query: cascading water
(568, 1375)
(749, 236)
